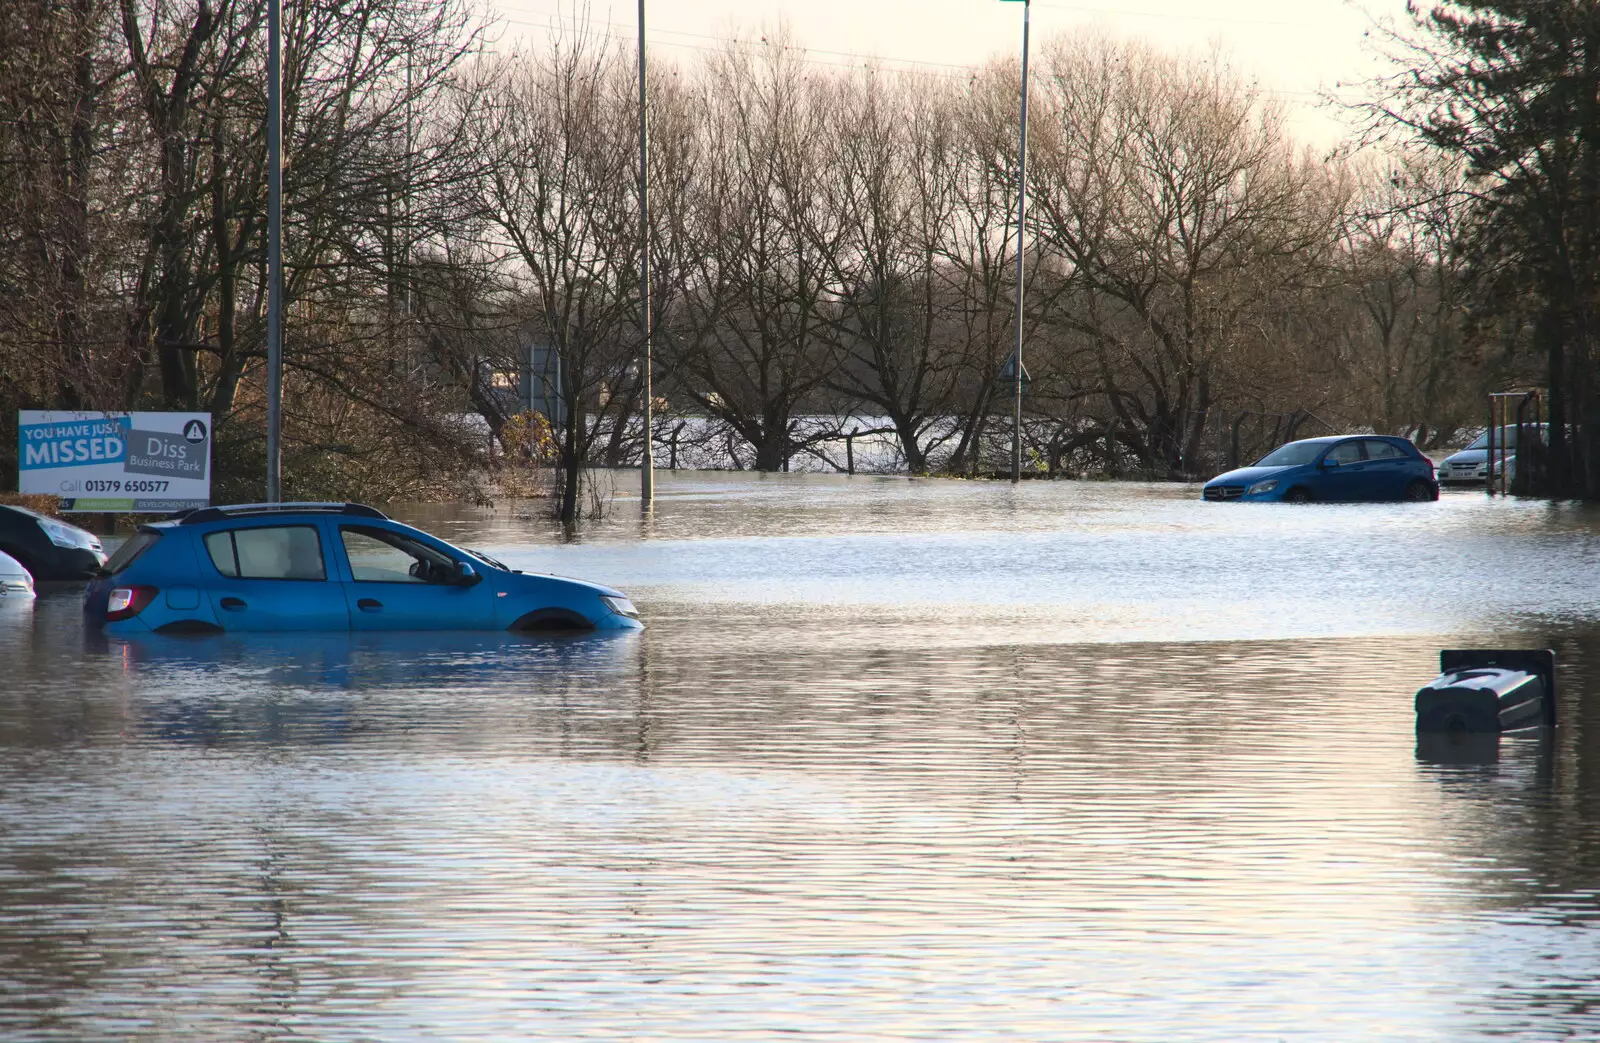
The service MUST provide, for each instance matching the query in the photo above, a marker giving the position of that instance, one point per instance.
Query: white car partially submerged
(15, 581)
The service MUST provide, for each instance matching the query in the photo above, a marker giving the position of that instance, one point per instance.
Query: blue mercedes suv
(327, 566)
(1338, 468)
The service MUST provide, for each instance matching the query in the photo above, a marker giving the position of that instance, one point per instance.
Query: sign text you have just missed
(74, 442)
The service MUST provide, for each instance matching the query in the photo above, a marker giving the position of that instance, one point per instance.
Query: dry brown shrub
(44, 504)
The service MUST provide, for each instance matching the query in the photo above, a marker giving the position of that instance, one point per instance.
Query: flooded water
(893, 760)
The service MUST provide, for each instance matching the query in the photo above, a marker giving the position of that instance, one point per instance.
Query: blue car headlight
(1262, 487)
(621, 606)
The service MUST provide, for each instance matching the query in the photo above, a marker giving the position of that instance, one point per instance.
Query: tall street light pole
(1022, 219)
(647, 476)
(274, 253)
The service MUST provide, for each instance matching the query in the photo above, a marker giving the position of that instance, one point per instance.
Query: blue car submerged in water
(1339, 468)
(328, 566)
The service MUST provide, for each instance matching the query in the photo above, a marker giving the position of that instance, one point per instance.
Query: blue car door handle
(233, 604)
(369, 605)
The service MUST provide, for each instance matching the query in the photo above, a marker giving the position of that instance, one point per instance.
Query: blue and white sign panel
(117, 462)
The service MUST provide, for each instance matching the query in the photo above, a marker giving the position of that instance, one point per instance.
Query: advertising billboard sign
(116, 462)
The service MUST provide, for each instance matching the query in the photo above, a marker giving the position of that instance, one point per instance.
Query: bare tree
(1178, 211)
(977, 262)
(1407, 357)
(757, 300)
(892, 192)
(560, 192)
(56, 70)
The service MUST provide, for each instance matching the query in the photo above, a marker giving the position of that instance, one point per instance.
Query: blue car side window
(220, 546)
(380, 556)
(1346, 453)
(270, 552)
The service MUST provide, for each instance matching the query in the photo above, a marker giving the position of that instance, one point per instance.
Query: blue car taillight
(127, 602)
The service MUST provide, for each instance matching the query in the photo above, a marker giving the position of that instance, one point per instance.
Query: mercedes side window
(379, 556)
(268, 552)
(1346, 453)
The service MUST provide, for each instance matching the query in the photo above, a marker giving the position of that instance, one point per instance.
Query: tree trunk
(231, 362)
(906, 430)
(965, 459)
(70, 327)
(772, 452)
(571, 468)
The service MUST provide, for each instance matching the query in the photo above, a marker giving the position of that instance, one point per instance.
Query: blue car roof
(259, 511)
(230, 512)
(1340, 438)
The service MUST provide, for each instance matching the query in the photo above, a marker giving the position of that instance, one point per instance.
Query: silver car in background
(1471, 465)
(15, 581)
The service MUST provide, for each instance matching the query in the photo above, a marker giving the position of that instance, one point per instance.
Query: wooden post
(850, 453)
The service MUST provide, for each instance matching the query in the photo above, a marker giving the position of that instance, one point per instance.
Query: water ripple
(866, 786)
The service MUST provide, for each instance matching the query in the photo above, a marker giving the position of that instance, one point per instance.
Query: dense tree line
(827, 244)
(841, 245)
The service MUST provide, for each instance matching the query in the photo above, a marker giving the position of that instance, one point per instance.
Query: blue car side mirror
(466, 575)
(1330, 463)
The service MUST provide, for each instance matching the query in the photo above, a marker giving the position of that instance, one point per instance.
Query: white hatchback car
(15, 581)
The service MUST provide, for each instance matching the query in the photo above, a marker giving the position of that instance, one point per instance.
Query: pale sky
(1293, 48)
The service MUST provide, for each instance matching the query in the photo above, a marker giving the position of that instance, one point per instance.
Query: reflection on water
(893, 760)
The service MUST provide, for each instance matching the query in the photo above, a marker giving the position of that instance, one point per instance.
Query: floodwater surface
(893, 759)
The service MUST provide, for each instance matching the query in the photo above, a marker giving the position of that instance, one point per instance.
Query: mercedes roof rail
(236, 510)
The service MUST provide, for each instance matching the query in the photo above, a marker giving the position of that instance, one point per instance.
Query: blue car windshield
(1291, 455)
(481, 556)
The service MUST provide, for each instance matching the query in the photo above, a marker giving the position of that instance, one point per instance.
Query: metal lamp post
(274, 253)
(1022, 218)
(647, 478)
